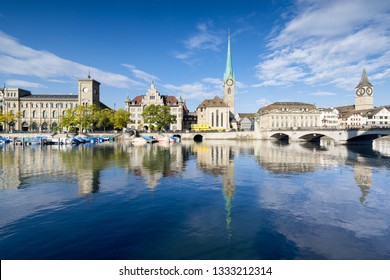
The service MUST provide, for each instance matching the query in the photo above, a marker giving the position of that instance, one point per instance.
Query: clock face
(229, 82)
(369, 91)
(360, 91)
(85, 89)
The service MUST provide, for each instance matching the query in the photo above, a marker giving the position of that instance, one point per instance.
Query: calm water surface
(215, 200)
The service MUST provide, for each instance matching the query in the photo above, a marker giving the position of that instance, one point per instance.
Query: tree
(68, 121)
(104, 118)
(9, 118)
(121, 119)
(158, 116)
(84, 117)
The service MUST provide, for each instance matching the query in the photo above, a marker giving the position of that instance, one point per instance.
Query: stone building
(363, 114)
(137, 105)
(214, 112)
(218, 113)
(287, 115)
(329, 117)
(43, 112)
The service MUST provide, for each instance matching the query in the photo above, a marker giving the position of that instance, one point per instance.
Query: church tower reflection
(363, 178)
(218, 160)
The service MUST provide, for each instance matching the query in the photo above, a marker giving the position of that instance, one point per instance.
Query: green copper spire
(229, 66)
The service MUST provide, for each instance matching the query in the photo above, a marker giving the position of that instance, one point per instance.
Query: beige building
(136, 106)
(288, 115)
(214, 112)
(42, 112)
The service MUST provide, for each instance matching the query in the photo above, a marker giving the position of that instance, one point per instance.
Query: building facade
(137, 105)
(43, 112)
(329, 117)
(215, 113)
(288, 115)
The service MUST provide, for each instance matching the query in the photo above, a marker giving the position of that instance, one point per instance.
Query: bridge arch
(365, 137)
(313, 137)
(198, 138)
(280, 136)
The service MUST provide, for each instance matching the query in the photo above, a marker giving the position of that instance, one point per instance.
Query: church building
(218, 113)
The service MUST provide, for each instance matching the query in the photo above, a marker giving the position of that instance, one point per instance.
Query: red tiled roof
(137, 100)
(215, 102)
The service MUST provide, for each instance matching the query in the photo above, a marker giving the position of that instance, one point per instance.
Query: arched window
(44, 114)
(222, 119)
(217, 118)
(24, 114)
(212, 119)
(54, 114)
(34, 114)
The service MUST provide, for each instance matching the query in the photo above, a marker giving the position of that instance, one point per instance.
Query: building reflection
(217, 158)
(83, 165)
(382, 146)
(154, 162)
(284, 158)
(363, 178)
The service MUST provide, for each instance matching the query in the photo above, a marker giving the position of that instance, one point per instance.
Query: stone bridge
(340, 136)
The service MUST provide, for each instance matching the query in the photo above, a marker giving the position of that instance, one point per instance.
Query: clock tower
(364, 99)
(89, 92)
(229, 82)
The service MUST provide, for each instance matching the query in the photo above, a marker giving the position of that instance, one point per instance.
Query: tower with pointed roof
(364, 99)
(229, 82)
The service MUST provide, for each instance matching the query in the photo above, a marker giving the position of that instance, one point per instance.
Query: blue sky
(289, 50)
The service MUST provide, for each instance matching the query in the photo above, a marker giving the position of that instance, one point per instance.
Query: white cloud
(23, 84)
(329, 42)
(141, 74)
(204, 39)
(213, 81)
(322, 93)
(263, 102)
(198, 91)
(18, 59)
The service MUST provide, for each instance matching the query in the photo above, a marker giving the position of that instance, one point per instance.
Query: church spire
(364, 80)
(229, 66)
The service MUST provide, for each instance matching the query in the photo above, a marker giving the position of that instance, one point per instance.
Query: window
(212, 119)
(34, 114)
(44, 114)
(54, 114)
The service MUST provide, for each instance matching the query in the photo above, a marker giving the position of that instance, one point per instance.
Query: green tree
(68, 120)
(121, 119)
(84, 116)
(104, 118)
(9, 118)
(158, 116)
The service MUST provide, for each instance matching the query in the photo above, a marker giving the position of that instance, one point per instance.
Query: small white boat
(138, 141)
(166, 140)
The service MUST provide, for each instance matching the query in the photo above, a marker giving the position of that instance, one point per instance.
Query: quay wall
(239, 135)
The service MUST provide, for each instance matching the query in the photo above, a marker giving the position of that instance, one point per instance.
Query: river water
(214, 200)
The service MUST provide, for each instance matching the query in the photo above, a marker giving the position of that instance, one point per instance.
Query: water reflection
(21, 167)
(217, 199)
